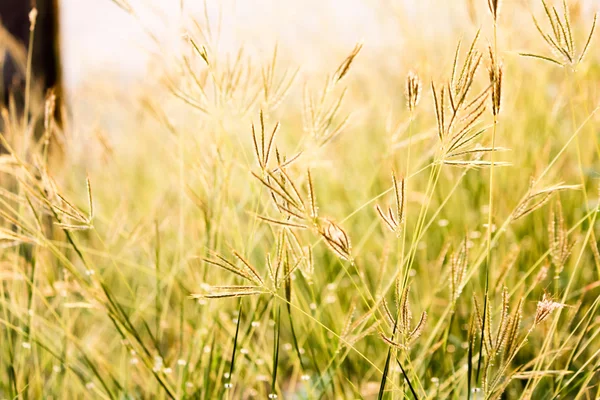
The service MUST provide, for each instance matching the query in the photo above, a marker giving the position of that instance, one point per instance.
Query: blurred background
(102, 44)
(98, 35)
(164, 97)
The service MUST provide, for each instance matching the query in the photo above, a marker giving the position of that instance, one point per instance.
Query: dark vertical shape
(15, 20)
(45, 63)
(45, 60)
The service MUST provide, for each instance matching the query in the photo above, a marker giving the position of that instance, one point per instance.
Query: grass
(238, 235)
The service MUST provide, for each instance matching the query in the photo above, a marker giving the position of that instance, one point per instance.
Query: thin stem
(490, 218)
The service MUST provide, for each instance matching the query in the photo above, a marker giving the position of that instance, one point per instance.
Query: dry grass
(238, 236)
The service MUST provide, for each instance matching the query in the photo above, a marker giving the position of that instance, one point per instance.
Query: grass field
(411, 221)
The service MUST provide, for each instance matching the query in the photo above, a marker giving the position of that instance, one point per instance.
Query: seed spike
(345, 66)
(494, 5)
(589, 39)
(311, 196)
(412, 91)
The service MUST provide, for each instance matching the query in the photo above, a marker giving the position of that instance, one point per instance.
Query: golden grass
(236, 233)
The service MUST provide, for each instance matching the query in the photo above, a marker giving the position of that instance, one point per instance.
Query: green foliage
(247, 192)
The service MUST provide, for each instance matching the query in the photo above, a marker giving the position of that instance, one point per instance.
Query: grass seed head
(32, 18)
(495, 75)
(413, 91)
(337, 239)
(494, 6)
(545, 307)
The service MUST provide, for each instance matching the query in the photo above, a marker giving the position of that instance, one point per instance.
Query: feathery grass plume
(535, 199)
(320, 111)
(458, 113)
(494, 6)
(274, 89)
(49, 108)
(284, 194)
(360, 334)
(197, 95)
(345, 65)
(90, 199)
(440, 110)
(263, 151)
(302, 255)
(487, 332)
(312, 197)
(68, 216)
(545, 307)
(394, 221)
(249, 268)
(321, 115)
(247, 271)
(511, 345)
(283, 161)
(228, 266)
(219, 83)
(495, 74)
(403, 323)
(8, 238)
(458, 270)
(560, 37)
(337, 239)
(281, 261)
(495, 343)
(542, 274)
(387, 313)
(288, 224)
(504, 323)
(459, 87)
(201, 50)
(560, 248)
(404, 309)
(218, 292)
(346, 329)
(356, 330)
(412, 91)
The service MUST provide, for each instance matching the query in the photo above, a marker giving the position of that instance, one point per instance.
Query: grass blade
(276, 337)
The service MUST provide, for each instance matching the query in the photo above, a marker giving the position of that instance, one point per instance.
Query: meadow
(415, 218)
